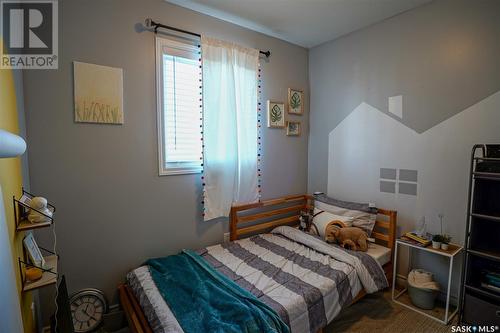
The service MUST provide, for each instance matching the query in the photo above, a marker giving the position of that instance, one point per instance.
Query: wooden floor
(377, 313)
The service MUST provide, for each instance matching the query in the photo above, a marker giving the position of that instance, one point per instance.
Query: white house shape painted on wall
(369, 139)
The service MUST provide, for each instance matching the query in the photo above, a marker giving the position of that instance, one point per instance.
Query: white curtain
(230, 76)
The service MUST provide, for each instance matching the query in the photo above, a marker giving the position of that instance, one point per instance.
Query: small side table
(402, 297)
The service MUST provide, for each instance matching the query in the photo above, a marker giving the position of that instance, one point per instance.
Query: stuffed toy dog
(351, 238)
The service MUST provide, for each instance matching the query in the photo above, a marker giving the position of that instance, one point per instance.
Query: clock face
(87, 309)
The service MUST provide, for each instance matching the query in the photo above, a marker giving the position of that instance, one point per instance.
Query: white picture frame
(34, 253)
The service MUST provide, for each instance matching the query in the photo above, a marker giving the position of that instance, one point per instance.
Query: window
(179, 106)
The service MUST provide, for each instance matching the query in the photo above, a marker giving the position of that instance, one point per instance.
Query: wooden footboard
(135, 316)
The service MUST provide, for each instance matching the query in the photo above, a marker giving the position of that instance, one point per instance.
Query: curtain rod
(152, 24)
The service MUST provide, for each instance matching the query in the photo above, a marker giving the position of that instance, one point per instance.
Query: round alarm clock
(87, 309)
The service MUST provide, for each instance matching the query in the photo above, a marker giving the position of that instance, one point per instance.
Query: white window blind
(179, 107)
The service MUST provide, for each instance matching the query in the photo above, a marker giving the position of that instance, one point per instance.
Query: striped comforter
(305, 280)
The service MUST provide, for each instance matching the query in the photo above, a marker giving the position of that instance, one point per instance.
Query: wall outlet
(226, 237)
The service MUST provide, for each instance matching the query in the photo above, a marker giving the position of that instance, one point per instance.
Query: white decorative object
(33, 250)
(422, 231)
(436, 245)
(98, 93)
(11, 145)
(444, 246)
(39, 205)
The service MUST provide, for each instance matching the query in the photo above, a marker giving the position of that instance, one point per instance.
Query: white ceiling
(303, 22)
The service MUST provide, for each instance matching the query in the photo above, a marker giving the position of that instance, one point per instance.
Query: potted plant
(436, 241)
(445, 240)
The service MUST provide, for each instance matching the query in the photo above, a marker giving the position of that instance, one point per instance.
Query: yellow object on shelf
(33, 274)
(48, 277)
(419, 239)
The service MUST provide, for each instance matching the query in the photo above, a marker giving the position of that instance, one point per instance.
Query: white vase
(444, 246)
(436, 245)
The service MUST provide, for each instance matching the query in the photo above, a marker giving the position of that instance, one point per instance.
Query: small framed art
(33, 251)
(275, 114)
(295, 101)
(293, 128)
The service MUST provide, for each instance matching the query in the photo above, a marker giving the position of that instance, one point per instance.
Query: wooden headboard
(252, 218)
(245, 219)
(385, 227)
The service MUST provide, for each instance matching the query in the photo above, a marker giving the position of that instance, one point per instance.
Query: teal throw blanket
(204, 300)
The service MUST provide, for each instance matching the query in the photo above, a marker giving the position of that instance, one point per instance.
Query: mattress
(380, 253)
(305, 287)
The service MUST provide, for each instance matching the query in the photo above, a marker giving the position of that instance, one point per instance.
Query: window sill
(179, 171)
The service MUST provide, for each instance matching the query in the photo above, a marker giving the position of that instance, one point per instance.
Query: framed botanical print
(275, 114)
(295, 101)
(293, 128)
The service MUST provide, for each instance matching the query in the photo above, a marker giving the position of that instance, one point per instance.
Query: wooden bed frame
(254, 218)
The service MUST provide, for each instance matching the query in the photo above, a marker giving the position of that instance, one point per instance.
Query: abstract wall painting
(98, 93)
(275, 114)
(295, 101)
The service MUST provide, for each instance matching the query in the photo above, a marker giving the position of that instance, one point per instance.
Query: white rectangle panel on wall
(396, 106)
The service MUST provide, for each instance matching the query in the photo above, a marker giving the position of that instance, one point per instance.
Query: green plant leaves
(276, 113)
(295, 100)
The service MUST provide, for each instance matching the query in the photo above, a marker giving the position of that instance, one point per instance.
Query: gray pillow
(363, 215)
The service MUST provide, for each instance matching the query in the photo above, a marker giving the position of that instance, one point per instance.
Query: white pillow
(323, 218)
(360, 219)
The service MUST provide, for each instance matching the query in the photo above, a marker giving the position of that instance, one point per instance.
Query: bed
(304, 280)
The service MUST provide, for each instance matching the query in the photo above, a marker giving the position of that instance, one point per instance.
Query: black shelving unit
(21, 211)
(49, 272)
(480, 302)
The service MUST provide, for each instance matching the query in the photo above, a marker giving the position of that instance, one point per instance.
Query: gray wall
(113, 210)
(442, 57)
